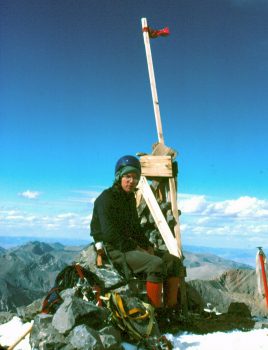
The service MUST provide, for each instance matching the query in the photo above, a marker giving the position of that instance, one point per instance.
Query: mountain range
(28, 271)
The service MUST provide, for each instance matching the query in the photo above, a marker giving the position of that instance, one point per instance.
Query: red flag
(156, 33)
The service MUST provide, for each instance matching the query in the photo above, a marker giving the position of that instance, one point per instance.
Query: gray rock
(44, 336)
(64, 319)
(110, 338)
(67, 293)
(88, 257)
(27, 313)
(77, 311)
(108, 275)
(84, 337)
(6, 316)
(68, 347)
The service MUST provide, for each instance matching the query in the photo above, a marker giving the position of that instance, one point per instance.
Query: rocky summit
(223, 302)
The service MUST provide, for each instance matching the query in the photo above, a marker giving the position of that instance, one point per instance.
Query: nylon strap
(79, 271)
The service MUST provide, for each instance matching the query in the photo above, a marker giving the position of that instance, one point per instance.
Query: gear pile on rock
(79, 322)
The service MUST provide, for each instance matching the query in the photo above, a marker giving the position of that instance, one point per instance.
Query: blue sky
(75, 96)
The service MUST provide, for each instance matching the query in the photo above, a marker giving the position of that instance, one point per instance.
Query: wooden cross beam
(158, 216)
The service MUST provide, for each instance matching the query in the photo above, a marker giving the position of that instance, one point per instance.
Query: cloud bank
(240, 222)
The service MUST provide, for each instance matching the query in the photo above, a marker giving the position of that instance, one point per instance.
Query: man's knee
(158, 266)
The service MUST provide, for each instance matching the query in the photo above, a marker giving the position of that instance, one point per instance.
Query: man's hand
(100, 253)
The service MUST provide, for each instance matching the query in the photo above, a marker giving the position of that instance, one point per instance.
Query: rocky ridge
(78, 323)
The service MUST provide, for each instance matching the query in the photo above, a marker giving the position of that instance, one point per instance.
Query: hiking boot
(155, 343)
(167, 317)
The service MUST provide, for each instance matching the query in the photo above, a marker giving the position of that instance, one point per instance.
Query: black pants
(156, 267)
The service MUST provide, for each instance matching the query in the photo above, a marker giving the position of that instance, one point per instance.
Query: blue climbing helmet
(127, 164)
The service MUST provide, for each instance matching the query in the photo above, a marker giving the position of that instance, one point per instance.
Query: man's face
(129, 182)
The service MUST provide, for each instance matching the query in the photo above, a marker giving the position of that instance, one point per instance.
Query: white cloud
(241, 207)
(15, 217)
(67, 216)
(193, 203)
(30, 194)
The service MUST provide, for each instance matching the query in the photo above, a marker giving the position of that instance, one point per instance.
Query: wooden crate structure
(158, 184)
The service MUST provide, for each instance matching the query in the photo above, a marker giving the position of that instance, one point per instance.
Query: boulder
(44, 336)
(28, 312)
(110, 338)
(108, 275)
(6, 316)
(77, 324)
(84, 337)
(75, 310)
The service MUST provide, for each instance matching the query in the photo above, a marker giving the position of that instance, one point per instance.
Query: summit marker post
(147, 34)
(156, 172)
(152, 79)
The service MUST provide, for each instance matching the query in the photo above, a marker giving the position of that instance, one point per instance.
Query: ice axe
(12, 346)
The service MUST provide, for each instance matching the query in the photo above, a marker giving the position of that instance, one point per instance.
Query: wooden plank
(159, 218)
(156, 166)
(174, 208)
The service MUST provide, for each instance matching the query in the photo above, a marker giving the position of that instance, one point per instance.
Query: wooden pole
(11, 347)
(172, 181)
(152, 80)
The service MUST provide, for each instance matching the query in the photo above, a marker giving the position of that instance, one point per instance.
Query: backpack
(131, 315)
(87, 285)
(136, 319)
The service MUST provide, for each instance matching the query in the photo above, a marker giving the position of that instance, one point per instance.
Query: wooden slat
(156, 166)
(159, 149)
(159, 218)
(174, 207)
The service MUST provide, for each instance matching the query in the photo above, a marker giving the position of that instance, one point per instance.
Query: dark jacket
(115, 220)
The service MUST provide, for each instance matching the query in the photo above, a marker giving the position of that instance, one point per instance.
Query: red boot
(154, 293)
(171, 287)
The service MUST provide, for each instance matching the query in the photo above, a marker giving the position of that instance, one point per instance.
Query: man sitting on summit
(115, 224)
